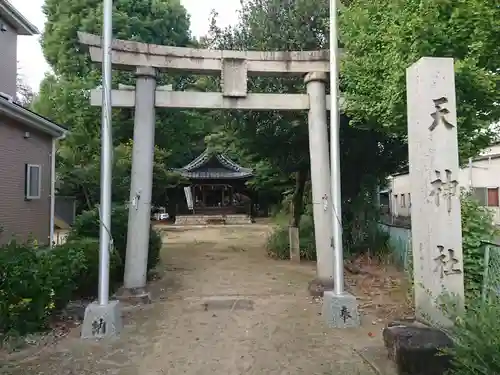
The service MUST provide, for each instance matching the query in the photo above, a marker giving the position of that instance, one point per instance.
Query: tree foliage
(80, 167)
(64, 96)
(279, 140)
(159, 22)
(380, 39)
(477, 226)
(24, 93)
(383, 37)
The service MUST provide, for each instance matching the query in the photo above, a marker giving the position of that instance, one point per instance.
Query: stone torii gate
(234, 67)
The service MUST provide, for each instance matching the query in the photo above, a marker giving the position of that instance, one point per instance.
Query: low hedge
(36, 282)
(26, 294)
(87, 225)
(82, 279)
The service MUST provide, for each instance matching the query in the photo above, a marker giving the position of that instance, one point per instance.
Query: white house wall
(484, 174)
(495, 149)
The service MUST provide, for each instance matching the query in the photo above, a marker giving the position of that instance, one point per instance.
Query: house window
(492, 197)
(403, 200)
(486, 196)
(33, 181)
(409, 199)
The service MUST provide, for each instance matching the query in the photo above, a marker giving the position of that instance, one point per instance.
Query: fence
(60, 236)
(491, 273)
(65, 209)
(399, 243)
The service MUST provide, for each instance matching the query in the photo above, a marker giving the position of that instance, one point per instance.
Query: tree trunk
(296, 212)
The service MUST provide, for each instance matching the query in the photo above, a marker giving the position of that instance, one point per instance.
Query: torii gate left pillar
(141, 186)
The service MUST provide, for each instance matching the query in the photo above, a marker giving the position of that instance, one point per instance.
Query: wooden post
(193, 193)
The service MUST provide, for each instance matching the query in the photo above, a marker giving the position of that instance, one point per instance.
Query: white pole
(470, 173)
(52, 191)
(106, 156)
(338, 275)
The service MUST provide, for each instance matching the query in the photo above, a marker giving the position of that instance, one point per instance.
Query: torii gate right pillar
(320, 182)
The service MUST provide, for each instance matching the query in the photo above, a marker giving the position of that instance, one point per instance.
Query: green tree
(24, 94)
(64, 96)
(278, 141)
(384, 37)
(79, 168)
(150, 21)
(381, 39)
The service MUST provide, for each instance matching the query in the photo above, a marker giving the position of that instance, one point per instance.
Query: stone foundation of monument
(213, 219)
(417, 349)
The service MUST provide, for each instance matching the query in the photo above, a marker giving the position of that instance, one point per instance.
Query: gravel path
(221, 307)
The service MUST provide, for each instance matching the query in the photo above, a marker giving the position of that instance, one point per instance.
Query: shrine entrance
(212, 197)
(233, 68)
(217, 191)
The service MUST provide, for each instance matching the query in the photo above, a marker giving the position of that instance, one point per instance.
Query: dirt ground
(220, 305)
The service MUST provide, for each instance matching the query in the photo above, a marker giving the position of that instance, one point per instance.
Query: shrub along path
(220, 306)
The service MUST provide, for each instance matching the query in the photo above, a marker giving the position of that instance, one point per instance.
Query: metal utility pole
(338, 268)
(106, 157)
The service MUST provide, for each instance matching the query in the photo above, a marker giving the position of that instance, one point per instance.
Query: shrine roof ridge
(205, 156)
(206, 175)
(235, 170)
(93, 40)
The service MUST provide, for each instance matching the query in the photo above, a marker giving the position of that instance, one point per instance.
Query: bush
(26, 293)
(64, 267)
(87, 225)
(476, 338)
(78, 261)
(36, 282)
(477, 226)
(370, 238)
(475, 333)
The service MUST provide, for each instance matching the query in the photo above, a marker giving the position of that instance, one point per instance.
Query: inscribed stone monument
(435, 195)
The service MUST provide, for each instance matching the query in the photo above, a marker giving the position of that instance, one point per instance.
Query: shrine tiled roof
(210, 165)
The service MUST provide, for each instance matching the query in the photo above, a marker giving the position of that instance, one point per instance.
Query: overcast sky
(33, 67)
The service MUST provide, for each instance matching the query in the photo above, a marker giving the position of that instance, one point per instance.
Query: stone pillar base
(317, 287)
(133, 296)
(341, 310)
(102, 321)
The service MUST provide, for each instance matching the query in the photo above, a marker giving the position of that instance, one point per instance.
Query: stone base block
(341, 311)
(102, 321)
(317, 287)
(416, 348)
(133, 296)
(220, 219)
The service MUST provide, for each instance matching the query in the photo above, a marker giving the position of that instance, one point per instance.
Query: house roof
(211, 165)
(16, 19)
(17, 112)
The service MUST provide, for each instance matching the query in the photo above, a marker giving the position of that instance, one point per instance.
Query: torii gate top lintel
(130, 54)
